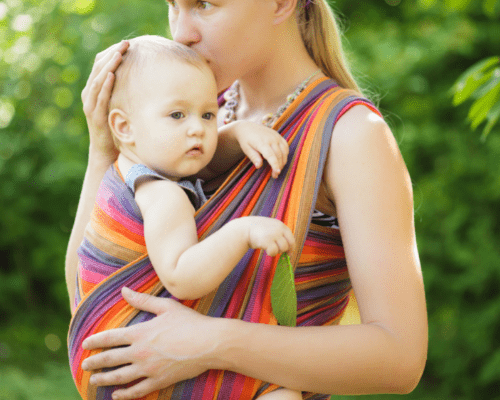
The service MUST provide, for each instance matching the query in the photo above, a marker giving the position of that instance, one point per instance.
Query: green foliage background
(407, 54)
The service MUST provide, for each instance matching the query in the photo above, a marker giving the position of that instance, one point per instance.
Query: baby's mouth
(196, 150)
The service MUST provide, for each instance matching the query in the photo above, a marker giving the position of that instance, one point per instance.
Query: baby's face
(174, 117)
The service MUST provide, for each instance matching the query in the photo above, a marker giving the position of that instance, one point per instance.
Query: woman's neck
(264, 90)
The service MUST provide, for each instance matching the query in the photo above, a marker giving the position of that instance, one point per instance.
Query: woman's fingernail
(129, 292)
(92, 380)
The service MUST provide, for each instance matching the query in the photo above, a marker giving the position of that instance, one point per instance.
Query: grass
(54, 383)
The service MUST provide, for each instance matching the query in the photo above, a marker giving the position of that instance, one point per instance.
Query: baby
(163, 116)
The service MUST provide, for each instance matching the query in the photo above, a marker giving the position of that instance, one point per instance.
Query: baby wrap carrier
(321, 276)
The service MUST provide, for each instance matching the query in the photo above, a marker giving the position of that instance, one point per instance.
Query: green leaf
(473, 78)
(482, 106)
(489, 7)
(493, 117)
(283, 294)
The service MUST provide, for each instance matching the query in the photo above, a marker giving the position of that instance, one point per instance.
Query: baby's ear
(120, 125)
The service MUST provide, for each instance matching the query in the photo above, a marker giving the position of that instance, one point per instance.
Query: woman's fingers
(111, 338)
(145, 302)
(107, 359)
(119, 376)
(106, 61)
(105, 93)
(105, 56)
(139, 390)
(91, 99)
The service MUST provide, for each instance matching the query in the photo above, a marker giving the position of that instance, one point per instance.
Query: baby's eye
(177, 115)
(205, 5)
(208, 116)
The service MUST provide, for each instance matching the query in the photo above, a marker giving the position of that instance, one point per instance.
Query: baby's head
(163, 107)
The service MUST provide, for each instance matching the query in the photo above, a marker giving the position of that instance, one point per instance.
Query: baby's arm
(190, 269)
(241, 138)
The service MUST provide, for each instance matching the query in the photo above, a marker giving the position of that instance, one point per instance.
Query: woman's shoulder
(364, 152)
(361, 126)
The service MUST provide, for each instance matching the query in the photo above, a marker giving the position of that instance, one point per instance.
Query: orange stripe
(99, 217)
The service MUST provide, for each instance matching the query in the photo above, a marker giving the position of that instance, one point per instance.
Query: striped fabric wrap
(114, 255)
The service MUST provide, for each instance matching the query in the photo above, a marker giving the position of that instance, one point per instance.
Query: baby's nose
(196, 128)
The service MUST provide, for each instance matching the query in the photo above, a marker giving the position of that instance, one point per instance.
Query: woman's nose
(183, 28)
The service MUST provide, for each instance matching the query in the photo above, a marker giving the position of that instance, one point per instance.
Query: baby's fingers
(283, 245)
(273, 157)
(283, 145)
(272, 249)
(254, 156)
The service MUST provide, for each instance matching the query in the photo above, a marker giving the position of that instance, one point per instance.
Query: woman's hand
(176, 345)
(95, 98)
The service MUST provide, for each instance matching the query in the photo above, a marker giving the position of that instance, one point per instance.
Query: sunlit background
(406, 54)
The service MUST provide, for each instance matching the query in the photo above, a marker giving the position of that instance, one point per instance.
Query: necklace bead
(232, 96)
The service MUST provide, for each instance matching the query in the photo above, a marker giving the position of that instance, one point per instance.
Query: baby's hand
(269, 234)
(258, 141)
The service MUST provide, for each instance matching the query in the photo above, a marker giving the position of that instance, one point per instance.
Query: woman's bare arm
(368, 180)
(369, 183)
(95, 171)
(102, 153)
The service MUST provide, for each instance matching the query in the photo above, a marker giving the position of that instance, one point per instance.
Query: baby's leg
(282, 394)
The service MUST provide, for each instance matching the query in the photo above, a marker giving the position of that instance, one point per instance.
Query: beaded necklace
(232, 96)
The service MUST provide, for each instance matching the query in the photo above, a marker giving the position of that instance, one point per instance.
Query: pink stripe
(119, 216)
(92, 277)
(237, 387)
(357, 103)
(90, 264)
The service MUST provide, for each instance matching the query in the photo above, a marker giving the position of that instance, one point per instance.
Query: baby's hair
(142, 51)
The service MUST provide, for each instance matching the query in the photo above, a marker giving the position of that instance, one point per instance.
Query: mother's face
(234, 36)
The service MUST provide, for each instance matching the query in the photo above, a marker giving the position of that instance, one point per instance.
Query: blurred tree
(46, 52)
(406, 54)
(481, 82)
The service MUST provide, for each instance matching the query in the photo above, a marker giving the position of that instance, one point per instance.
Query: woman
(271, 47)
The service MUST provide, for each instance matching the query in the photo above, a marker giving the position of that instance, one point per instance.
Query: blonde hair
(322, 37)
